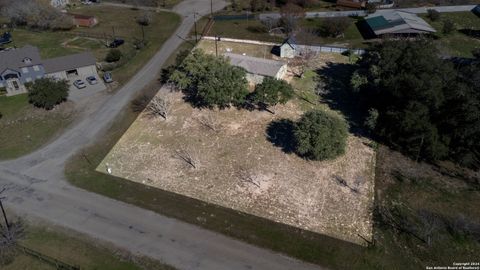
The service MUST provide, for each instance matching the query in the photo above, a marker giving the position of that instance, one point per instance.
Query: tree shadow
(365, 30)
(339, 96)
(470, 33)
(280, 134)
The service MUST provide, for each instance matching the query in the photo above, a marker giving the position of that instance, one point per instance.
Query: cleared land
(240, 168)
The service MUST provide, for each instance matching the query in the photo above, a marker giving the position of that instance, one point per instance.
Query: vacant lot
(261, 51)
(24, 128)
(238, 167)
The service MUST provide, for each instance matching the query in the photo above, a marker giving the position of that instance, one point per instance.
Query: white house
(288, 49)
(258, 68)
(59, 3)
(24, 65)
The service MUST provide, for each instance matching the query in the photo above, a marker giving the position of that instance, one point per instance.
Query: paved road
(36, 187)
(442, 9)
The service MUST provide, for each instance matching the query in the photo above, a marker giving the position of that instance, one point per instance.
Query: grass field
(25, 128)
(457, 43)
(77, 250)
(255, 30)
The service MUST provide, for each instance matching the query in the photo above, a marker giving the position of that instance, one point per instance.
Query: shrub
(145, 19)
(113, 55)
(271, 92)
(46, 93)
(334, 26)
(448, 27)
(320, 135)
(433, 15)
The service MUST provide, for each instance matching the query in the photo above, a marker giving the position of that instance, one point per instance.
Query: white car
(92, 80)
(79, 84)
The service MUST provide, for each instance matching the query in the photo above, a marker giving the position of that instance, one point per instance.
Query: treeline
(418, 103)
(34, 14)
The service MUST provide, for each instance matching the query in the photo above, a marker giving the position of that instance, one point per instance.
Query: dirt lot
(239, 168)
(261, 51)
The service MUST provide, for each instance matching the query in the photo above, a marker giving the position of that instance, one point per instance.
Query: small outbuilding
(397, 23)
(288, 49)
(258, 68)
(83, 20)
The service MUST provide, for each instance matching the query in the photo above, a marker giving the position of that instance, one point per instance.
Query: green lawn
(24, 128)
(457, 43)
(255, 30)
(74, 249)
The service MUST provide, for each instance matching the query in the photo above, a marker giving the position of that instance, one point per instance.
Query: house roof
(69, 62)
(254, 65)
(291, 42)
(15, 58)
(397, 22)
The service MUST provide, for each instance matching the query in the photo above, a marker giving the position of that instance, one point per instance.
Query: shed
(84, 20)
(288, 49)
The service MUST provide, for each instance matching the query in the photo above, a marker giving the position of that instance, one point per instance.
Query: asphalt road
(325, 14)
(36, 187)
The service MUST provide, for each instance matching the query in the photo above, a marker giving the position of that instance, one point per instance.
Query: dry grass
(282, 187)
(261, 51)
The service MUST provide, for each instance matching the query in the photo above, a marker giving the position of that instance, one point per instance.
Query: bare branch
(247, 176)
(188, 156)
(160, 106)
(210, 122)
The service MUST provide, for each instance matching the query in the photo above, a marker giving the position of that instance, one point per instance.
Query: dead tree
(188, 156)
(210, 122)
(160, 106)
(301, 62)
(247, 176)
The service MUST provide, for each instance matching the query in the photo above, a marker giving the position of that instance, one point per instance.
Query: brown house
(84, 20)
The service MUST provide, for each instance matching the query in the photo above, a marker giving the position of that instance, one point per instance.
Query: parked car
(107, 77)
(79, 84)
(92, 80)
(116, 43)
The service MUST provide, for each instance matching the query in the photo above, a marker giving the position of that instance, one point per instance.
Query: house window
(36, 68)
(27, 60)
(25, 70)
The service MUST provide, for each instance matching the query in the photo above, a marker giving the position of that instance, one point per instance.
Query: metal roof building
(397, 22)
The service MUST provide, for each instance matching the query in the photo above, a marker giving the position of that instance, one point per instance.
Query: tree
(371, 119)
(210, 81)
(301, 61)
(448, 26)
(113, 55)
(320, 135)
(290, 14)
(370, 8)
(334, 26)
(160, 105)
(145, 19)
(47, 92)
(433, 15)
(271, 92)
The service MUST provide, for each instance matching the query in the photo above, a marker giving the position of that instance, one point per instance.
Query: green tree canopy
(320, 135)
(47, 92)
(272, 91)
(210, 80)
(427, 107)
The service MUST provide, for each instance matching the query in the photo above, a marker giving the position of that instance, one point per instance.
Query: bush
(145, 19)
(320, 135)
(448, 27)
(433, 15)
(113, 55)
(334, 26)
(271, 92)
(47, 92)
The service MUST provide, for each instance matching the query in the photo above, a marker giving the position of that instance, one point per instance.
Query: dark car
(5, 38)
(116, 43)
(107, 77)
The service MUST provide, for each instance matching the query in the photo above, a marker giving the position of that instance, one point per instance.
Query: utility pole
(195, 26)
(211, 9)
(3, 211)
(216, 46)
(143, 34)
(113, 31)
